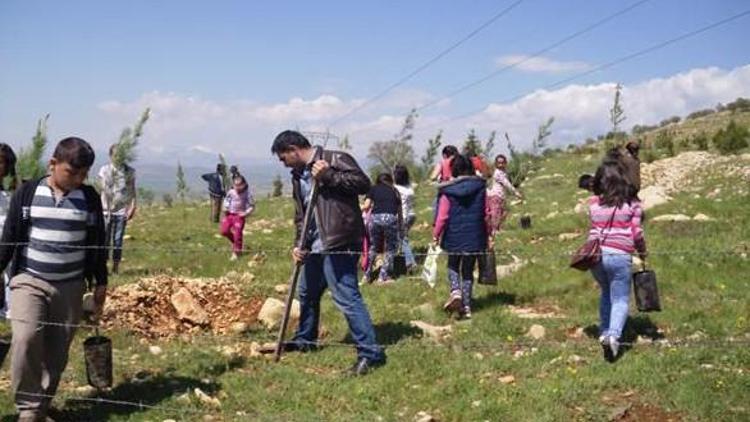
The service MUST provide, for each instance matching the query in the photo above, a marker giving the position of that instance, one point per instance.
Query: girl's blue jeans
(613, 275)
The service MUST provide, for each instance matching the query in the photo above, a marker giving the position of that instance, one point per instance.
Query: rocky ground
(167, 306)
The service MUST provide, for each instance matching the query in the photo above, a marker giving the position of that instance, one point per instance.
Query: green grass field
(698, 369)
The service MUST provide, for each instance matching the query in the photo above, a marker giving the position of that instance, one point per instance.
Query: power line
(428, 63)
(607, 65)
(538, 53)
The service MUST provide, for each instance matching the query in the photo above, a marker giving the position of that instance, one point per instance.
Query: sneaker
(466, 313)
(363, 366)
(234, 256)
(610, 347)
(614, 346)
(454, 303)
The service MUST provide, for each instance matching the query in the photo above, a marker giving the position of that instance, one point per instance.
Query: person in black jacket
(333, 242)
(53, 239)
(216, 190)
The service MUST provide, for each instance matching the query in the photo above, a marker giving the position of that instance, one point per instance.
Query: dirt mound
(687, 170)
(146, 307)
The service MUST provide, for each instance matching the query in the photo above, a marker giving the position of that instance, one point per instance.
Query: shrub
(648, 155)
(700, 113)
(700, 141)
(167, 199)
(731, 139)
(669, 121)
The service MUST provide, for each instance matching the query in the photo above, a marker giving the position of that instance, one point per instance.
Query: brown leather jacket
(337, 213)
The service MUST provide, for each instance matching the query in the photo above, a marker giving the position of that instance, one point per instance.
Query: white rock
(652, 196)
(671, 217)
(188, 308)
(206, 399)
(507, 379)
(536, 332)
(703, 217)
(433, 331)
(568, 236)
(281, 288)
(272, 312)
(239, 327)
(155, 350)
(506, 270)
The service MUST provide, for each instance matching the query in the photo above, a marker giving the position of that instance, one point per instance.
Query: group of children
(54, 243)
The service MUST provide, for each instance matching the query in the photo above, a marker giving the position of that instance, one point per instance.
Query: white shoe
(614, 346)
(234, 257)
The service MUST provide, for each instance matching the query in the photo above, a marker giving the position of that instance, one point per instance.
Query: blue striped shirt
(55, 251)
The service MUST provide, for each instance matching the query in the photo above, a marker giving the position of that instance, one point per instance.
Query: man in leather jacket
(333, 242)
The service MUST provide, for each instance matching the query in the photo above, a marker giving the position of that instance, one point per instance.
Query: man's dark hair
(401, 175)
(287, 139)
(9, 158)
(461, 166)
(449, 151)
(74, 151)
(384, 179)
(220, 168)
(585, 181)
(501, 156)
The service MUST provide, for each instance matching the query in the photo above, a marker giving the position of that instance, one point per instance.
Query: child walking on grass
(53, 241)
(462, 231)
(239, 204)
(615, 215)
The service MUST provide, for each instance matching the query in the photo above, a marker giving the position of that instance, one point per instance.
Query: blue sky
(227, 75)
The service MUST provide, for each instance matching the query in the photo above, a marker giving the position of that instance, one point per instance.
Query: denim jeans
(383, 229)
(405, 247)
(115, 233)
(613, 275)
(338, 272)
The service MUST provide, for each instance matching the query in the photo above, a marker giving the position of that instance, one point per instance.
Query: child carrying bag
(645, 291)
(590, 253)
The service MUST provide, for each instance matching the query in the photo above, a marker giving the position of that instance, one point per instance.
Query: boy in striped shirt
(53, 240)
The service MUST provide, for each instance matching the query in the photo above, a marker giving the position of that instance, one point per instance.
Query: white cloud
(184, 125)
(582, 111)
(540, 64)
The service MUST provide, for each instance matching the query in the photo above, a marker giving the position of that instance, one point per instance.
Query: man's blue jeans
(115, 233)
(338, 272)
(613, 275)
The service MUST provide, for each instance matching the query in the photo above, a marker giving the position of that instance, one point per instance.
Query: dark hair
(450, 151)
(234, 171)
(501, 156)
(461, 166)
(74, 151)
(633, 146)
(401, 175)
(384, 178)
(238, 176)
(287, 139)
(612, 186)
(220, 168)
(7, 155)
(584, 182)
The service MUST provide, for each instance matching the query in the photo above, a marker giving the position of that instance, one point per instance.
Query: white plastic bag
(429, 271)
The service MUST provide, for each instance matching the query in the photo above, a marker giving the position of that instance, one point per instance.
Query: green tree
(518, 164)
(430, 154)
(397, 150)
(29, 164)
(489, 145)
(182, 187)
(124, 153)
(225, 176)
(731, 139)
(145, 196)
(278, 186)
(540, 141)
(344, 144)
(617, 113)
(472, 144)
